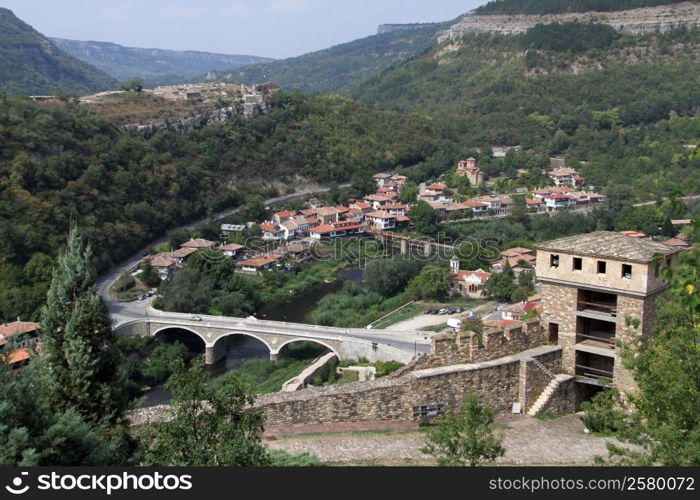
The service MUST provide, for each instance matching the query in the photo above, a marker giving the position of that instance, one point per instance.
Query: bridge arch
(279, 350)
(192, 339)
(227, 336)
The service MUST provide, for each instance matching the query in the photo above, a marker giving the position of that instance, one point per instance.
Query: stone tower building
(469, 169)
(597, 289)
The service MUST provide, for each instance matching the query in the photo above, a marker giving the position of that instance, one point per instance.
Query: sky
(269, 28)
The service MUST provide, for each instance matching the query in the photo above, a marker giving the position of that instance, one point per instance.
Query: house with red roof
(338, 230)
(469, 283)
(165, 264)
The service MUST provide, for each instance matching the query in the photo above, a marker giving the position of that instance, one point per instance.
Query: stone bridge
(378, 345)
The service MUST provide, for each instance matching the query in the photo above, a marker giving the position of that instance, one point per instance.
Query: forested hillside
(562, 6)
(627, 105)
(63, 162)
(341, 67)
(31, 64)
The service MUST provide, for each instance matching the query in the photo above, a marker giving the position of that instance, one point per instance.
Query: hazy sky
(271, 28)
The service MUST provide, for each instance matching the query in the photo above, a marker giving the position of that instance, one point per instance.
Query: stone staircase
(547, 393)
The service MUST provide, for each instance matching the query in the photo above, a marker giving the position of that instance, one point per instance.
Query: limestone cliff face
(661, 18)
(392, 28)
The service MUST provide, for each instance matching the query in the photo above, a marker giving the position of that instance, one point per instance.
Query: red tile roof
(437, 186)
(162, 261)
(231, 247)
(182, 253)
(17, 356)
(513, 252)
(285, 214)
(17, 327)
(380, 214)
(675, 242)
(481, 274)
(198, 243)
(261, 261)
(269, 227)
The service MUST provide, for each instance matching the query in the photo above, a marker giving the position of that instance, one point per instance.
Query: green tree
(33, 433)
(409, 192)
(149, 276)
(133, 85)
(465, 439)
(423, 217)
(207, 427)
(433, 282)
(501, 286)
(79, 359)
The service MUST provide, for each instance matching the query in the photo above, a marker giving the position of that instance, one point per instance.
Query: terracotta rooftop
(231, 247)
(162, 261)
(198, 243)
(676, 242)
(17, 327)
(514, 252)
(609, 245)
(182, 253)
(380, 214)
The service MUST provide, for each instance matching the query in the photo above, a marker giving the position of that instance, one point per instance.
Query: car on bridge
(195, 318)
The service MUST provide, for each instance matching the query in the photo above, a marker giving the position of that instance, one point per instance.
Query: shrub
(602, 412)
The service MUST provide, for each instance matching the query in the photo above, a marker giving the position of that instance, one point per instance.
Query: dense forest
(62, 162)
(563, 6)
(628, 110)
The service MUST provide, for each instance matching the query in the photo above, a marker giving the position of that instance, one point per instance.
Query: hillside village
(483, 250)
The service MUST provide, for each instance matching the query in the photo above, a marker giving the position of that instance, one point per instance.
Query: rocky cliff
(392, 28)
(662, 18)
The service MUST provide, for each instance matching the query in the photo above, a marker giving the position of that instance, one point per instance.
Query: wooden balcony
(587, 371)
(605, 309)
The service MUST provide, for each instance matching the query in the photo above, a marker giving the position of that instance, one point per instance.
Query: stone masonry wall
(470, 347)
(496, 381)
(559, 303)
(566, 399)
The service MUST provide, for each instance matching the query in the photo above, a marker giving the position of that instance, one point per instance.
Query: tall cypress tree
(79, 358)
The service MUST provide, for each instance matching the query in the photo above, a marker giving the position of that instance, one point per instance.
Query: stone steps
(544, 398)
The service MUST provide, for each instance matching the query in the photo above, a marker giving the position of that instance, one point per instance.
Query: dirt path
(527, 440)
(424, 320)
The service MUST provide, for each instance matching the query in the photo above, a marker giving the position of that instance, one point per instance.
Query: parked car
(443, 311)
(460, 310)
(428, 311)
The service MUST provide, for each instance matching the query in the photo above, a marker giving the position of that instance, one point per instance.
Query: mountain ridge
(340, 67)
(155, 66)
(32, 64)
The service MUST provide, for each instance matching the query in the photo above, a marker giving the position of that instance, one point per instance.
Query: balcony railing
(597, 307)
(587, 371)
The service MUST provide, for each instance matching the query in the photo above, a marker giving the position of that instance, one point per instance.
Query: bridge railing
(269, 324)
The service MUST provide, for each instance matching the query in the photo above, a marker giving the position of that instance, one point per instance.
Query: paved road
(126, 311)
(413, 342)
(122, 312)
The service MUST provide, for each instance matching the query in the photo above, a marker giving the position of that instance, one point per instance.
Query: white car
(195, 318)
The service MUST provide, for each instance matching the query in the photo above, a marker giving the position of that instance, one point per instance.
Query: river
(294, 310)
